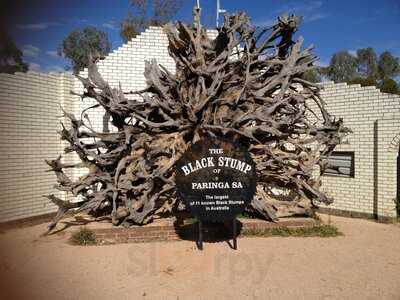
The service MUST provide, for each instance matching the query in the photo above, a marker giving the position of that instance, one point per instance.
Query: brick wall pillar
(386, 173)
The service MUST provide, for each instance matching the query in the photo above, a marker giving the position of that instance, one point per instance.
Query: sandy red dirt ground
(362, 264)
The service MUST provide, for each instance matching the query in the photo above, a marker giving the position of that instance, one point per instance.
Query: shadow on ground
(213, 232)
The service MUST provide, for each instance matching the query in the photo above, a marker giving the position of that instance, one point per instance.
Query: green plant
(80, 44)
(83, 237)
(314, 231)
(318, 230)
(191, 220)
(245, 215)
(281, 231)
(389, 86)
(364, 81)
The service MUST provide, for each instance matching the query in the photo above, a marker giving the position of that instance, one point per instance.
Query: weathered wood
(245, 85)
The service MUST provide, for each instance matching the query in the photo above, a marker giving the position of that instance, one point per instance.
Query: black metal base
(234, 234)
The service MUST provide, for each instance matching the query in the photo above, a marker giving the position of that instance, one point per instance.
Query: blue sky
(39, 27)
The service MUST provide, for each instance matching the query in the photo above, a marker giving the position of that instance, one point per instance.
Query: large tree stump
(245, 85)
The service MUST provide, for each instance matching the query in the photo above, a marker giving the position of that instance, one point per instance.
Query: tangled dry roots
(246, 84)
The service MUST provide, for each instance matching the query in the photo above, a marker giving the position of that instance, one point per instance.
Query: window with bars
(340, 163)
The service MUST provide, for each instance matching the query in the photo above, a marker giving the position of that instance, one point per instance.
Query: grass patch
(83, 237)
(314, 231)
(191, 220)
(245, 215)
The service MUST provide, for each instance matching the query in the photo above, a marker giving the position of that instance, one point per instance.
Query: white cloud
(36, 26)
(322, 63)
(110, 25)
(310, 10)
(55, 69)
(34, 67)
(307, 17)
(314, 17)
(81, 20)
(52, 53)
(265, 22)
(353, 52)
(30, 51)
(295, 7)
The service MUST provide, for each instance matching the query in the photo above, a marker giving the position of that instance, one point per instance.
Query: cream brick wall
(386, 174)
(374, 119)
(29, 118)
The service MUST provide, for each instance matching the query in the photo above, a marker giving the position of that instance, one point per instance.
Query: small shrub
(83, 237)
(282, 231)
(191, 220)
(390, 86)
(256, 232)
(364, 81)
(245, 215)
(316, 231)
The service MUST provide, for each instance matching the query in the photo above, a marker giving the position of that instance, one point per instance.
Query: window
(340, 163)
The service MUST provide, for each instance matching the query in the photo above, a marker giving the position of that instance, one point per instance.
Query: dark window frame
(352, 164)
